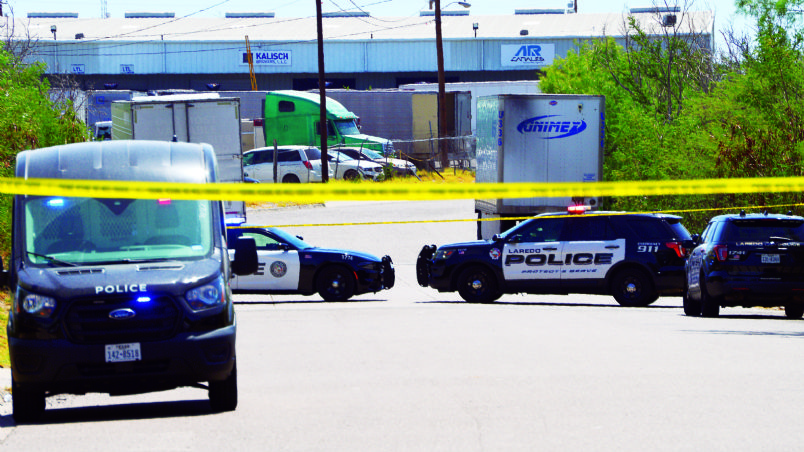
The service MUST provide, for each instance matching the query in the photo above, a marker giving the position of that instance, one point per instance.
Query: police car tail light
(208, 296)
(721, 252)
(308, 165)
(677, 247)
(577, 210)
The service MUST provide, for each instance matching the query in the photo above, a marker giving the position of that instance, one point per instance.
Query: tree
(29, 119)
(677, 112)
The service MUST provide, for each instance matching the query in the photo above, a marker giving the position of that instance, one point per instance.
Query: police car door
(532, 253)
(591, 248)
(278, 268)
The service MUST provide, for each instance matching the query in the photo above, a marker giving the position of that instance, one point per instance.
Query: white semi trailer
(191, 118)
(536, 138)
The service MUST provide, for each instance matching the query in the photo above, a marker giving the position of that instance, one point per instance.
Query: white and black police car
(288, 265)
(633, 257)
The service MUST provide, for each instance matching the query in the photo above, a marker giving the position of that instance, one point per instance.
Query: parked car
(294, 164)
(288, 265)
(633, 257)
(747, 260)
(341, 166)
(401, 167)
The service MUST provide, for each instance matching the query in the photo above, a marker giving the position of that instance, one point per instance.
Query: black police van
(634, 257)
(121, 296)
(747, 260)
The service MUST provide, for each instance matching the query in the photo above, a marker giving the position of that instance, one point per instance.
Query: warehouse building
(154, 51)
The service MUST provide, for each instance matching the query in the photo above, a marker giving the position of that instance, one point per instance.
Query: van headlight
(210, 295)
(38, 305)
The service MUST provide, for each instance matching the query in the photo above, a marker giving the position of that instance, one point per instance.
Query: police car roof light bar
(576, 210)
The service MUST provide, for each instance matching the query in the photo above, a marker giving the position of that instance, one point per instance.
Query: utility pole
(442, 95)
(322, 122)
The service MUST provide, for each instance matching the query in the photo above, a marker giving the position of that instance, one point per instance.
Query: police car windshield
(291, 239)
(92, 230)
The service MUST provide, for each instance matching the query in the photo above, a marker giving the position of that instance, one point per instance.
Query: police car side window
(647, 228)
(264, 241)
(706, 235)
(589, 229)
(545, 230)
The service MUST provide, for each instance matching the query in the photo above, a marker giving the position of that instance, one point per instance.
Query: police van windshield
(347, 127)
(90, 230)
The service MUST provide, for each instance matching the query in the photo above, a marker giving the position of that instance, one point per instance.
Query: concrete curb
(5, 395)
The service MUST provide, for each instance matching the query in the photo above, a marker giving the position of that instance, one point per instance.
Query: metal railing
(426, 154)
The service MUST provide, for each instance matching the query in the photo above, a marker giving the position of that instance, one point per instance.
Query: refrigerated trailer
(536, 138)
(191, 118)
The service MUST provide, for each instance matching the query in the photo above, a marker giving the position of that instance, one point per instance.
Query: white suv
(294, 164)
(341, 166)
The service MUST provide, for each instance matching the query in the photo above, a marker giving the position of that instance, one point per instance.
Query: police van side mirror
(496, 238)
(245, 256)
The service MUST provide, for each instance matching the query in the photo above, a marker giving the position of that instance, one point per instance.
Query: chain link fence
(428, 154)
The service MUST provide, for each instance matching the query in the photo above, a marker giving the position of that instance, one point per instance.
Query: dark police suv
(747, 260)
(634, 257)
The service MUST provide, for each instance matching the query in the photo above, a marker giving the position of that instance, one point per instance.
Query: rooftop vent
(520, 12)
(656, 10)
(79, 36)
(44, 15)
(444, 12)
(148, 15)
(523, 32)
(249, 15)
(346, 14)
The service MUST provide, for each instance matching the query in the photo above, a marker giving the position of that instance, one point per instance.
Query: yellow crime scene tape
(389, 191)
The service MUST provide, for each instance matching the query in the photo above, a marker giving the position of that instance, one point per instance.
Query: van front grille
(121, 319)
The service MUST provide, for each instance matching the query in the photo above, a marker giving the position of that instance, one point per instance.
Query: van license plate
(771, 259)
(120, 353)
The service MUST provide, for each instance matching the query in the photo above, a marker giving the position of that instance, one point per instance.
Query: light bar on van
(163, 201)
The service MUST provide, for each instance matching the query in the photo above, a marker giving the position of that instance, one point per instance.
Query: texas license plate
(771, 259)
(120, 353)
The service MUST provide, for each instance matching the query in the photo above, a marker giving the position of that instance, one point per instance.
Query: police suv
(747, 260)
(634, 257)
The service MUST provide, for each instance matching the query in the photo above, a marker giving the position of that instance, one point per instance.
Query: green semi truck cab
(292, 118)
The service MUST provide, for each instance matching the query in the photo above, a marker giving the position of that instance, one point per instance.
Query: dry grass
(5, 305)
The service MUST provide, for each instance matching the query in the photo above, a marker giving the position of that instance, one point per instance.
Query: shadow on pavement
(129, 411)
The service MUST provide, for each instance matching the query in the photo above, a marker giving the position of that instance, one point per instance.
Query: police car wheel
(223, 394)
(335, 284)
(710, 306)
(351, 175)
(794, 311)
(477, 285)
(692, 307)
(632, 288)
(27, 405)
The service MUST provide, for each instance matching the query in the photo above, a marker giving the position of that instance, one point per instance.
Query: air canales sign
(527, 55)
